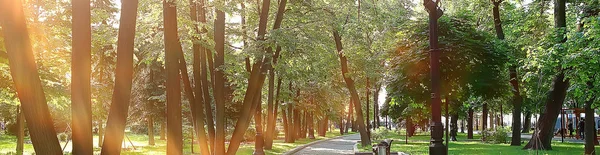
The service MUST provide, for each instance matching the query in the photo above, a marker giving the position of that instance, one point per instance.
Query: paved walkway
(343, 145)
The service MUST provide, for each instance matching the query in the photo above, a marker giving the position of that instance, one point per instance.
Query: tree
(364, 137)
(26, 78)
(172, 57)
(542, 139)
(117, 117)
(219, 82)
(81, 106)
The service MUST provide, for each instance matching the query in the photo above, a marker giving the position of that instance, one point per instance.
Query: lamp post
(436, 146)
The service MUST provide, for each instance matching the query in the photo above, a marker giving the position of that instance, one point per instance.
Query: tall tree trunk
(174, 118)
(311, 130)
(484, 117)
(590, 125)
(117, 117)
(219, 83)
(517, 99)
(26, 78)
(200, 76)
(454, 125)
(297, 124)
(527, 122)
(20, 130)
(163, 132)
(272, 112)
(259, 141)
(364, 137)
(341, 124)
(150, 130)
(286, 129)
(376, 106)
(195, 95)
(367, 109)
(589, 129)
(470, 124)
(81, 103)
(556, 97)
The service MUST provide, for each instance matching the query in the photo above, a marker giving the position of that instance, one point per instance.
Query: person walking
(581, 128)
(570, 126)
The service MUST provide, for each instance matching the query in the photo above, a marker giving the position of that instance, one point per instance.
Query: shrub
(380, 133)
(495, 137)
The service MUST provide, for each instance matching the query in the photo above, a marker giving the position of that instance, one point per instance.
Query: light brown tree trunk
(172, 65)
(311, 131)
(117, 117)
(364, 137)
(20, 130)
(81, 105)
(219, 83)
(163, 132)
(26, 78)
(150, 130)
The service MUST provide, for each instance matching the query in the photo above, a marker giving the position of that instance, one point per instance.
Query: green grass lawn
(419, 144)
(8, 145)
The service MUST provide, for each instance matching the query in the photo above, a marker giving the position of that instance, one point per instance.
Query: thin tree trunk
(163, 132)
(297, 124)
(484, 117)
(20, 130)
(341, 124)
(117, 117)
(200, 75)
(376, 107)
(150, 130)
(272, 112)
(454, 124)
(364, 137)
(590, 127)
(527, 122)
(219, 83)
(195, 95)
(285, 125)
(174, 118)
(81, 106)
(311, 130)
(556, 97)
(292, 127)
(470, 124)
(26, 78)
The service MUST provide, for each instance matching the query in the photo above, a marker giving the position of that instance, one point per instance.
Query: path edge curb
(295, 150)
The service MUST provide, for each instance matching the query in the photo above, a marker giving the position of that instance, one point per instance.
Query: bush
(380, 133)
(495, 137)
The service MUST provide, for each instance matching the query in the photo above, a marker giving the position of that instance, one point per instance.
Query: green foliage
(499, 136)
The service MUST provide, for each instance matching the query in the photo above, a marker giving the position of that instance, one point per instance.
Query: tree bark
(526, 122)
(163, 132)
(311, 131)
(81, 103)
(195, 94)
(470, 124)
(150, 130)
(286, 129)
(454, 124)
(556, 97)
(376, 107)
(26, 78)
(117, 117)
(219, 83)
(20, 130)
(200, 65)
(272, 111)
(297, 124)
(174, 118)
(484, 117)
(590, 124)
(364, 137)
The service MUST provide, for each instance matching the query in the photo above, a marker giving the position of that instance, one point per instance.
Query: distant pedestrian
(570, 128)
(581, 128)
